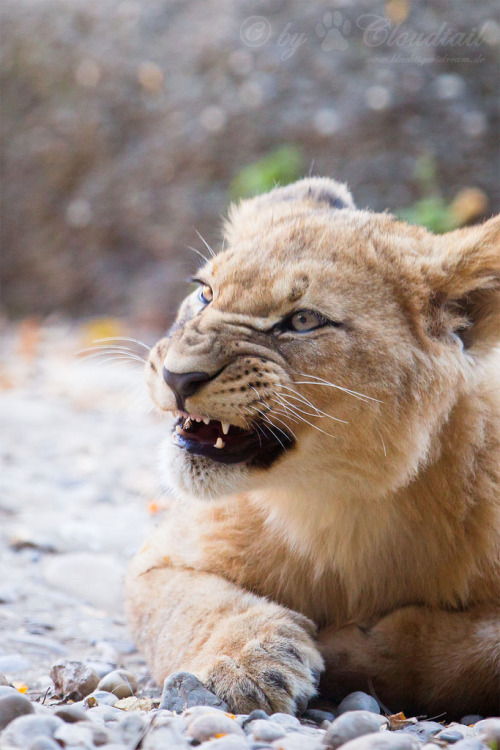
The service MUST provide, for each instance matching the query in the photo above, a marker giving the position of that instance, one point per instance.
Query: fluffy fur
(370, 550)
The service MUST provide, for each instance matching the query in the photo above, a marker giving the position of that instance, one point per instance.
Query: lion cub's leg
(420, 658)
(251, 652)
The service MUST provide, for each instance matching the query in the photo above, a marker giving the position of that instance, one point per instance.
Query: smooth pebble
(120, 682)
(471, 719)
(267, 730)
(13, 705)
(205, 727)
(352, 724)
(424, 730)
(71, 713)
(316, 716)
(449, 735)
(286, 720)
(358, 701)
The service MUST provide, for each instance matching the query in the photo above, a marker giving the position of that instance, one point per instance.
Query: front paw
(277, 670)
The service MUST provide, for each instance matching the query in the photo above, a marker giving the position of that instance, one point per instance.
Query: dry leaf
(21, 686)
(135, 704)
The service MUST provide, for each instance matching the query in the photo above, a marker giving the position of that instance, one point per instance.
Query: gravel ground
(73, 508)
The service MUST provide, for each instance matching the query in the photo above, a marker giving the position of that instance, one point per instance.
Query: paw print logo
(333, 30)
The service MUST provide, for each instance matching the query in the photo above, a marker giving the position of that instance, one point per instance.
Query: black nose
(185, 384)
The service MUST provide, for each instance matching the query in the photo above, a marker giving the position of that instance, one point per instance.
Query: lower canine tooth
(219, 443)
(178, 429)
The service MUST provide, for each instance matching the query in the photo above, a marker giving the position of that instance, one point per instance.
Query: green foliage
(280, 167)
(430, 211)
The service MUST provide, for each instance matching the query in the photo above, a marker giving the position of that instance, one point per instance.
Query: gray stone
(206, 726)
(424, 730)
(471, 719)
(23, 730)
(384, 741)
(268, 731)
(246, 719)
(71, 713)
(12, 706)
(358, 701)
(316, 716)
(352, 724)
(3, 680)
(73, 678)
(449, 735)
(286, 720)
(13, 663)
(119, 682)
(182, 690)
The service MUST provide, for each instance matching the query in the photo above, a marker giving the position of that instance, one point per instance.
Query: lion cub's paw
(276, 670)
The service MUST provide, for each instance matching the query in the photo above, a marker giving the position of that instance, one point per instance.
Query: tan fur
(382, 529)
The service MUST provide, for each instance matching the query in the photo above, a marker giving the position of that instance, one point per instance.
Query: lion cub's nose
(185, 384)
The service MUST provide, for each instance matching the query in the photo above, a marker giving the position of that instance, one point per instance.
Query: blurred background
(129, 125)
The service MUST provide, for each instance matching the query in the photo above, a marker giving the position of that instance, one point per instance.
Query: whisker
(333, 385)
(318, 413)
(268, 421)
(114, 356)
(298, 397)
(272, 412)
(198, 252)
(123, 338)
(282, 400)
(110, 350)
(210, 249)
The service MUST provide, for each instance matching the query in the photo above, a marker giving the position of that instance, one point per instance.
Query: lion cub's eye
(305, 320)
(205, 294)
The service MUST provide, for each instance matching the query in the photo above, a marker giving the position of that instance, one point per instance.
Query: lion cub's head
(323, 342)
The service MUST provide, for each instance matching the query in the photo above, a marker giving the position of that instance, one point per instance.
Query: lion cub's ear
(465, 276)
(316, 190)
(312, 192)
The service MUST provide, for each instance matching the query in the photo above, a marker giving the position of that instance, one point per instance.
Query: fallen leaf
(135, 704)
(21, 686)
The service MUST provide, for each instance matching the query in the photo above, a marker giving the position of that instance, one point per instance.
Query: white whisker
(333, 385)
(122, 338)
(210, 249)
(198, 252)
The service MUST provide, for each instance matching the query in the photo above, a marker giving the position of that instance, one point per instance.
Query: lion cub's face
(319, 342)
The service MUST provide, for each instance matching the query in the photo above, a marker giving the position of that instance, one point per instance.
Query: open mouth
(227, 443)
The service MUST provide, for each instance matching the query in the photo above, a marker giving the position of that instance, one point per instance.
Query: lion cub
(333, 387)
